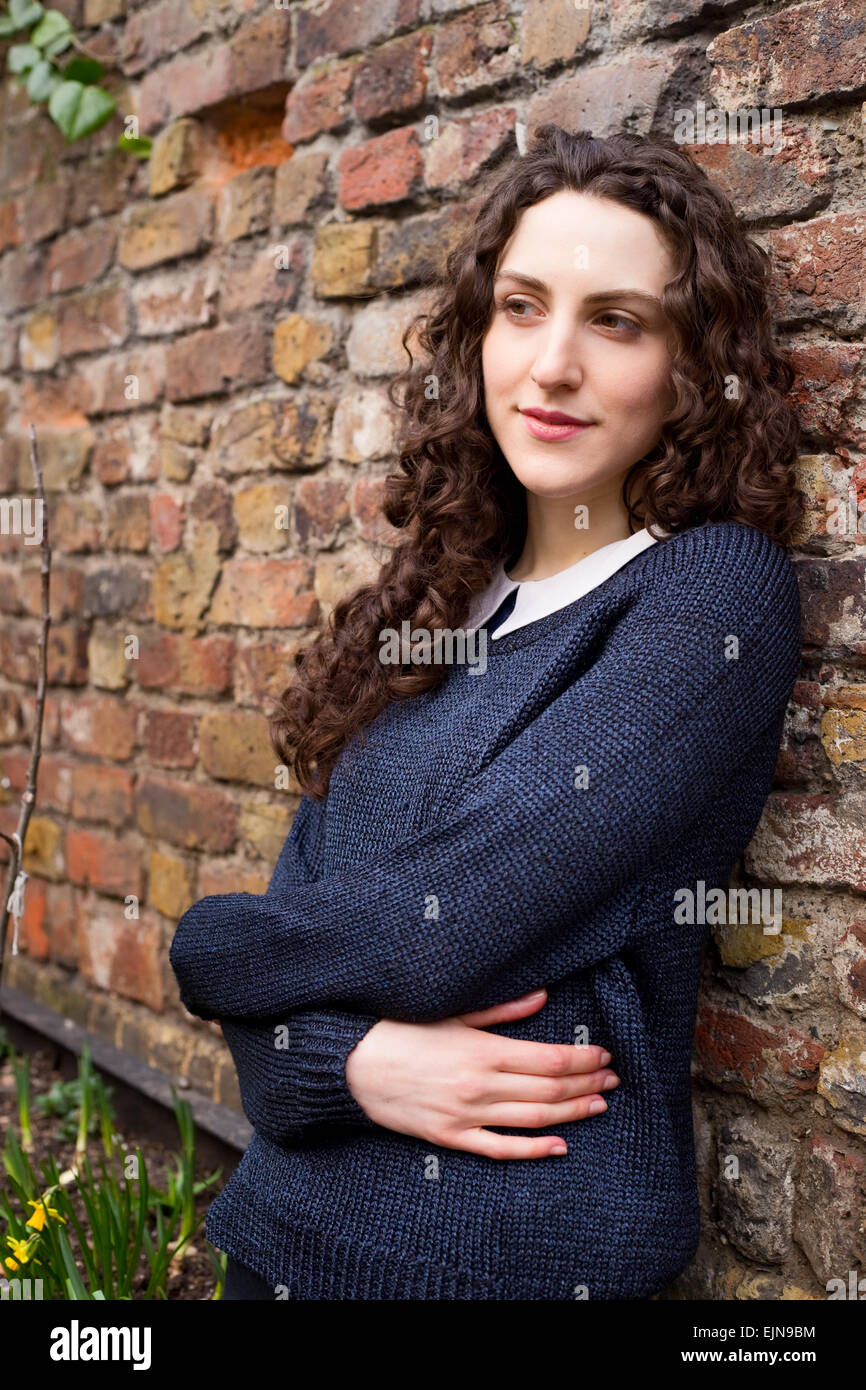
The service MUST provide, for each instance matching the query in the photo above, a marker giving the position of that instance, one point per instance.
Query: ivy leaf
(79, 110)
(24, 12)
(86, 70)
(43, 78)
(140, 145)
(22, 57)
(57, 45)
(52, 26)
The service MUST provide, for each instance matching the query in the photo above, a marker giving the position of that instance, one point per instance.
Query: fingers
(482, 1141)
(538, 1115)
(505, 1146)
(504, 1013)
(518, 1115)
(545, 1059)
(503, 1086)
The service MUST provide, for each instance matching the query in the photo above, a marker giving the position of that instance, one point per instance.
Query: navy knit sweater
(525, 827)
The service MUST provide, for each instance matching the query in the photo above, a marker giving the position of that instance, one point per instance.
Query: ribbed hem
(318, 1266)
(302, 1263)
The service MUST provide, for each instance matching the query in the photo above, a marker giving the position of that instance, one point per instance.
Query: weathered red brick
(344, 26)
(185, 665)
(216, 359)
(319, 101)
(102, 184)
(740, 1055)
(463, 147)
(319, 506)
(79, 256)
(169, 737)
(829, 391)
(103, 861)
(93, 321)
(253, 61)
(32, 935)
(607, 98)
(263, 669)
(120, 953)
(42, 210)
(186, 814)
(821, 269)
(155, 33)
(126, 450)
(266, 593)
(475, 51)
(103, 725)
(23, 279)
(798, 54)
(76, 524)
(125, 381)
(101, 793)
(127, 523)
(385, 170)
(300, 183)
(176, 300)
(392, 79)
(166, 520)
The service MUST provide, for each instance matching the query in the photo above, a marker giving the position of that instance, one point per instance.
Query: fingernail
(558, 1149)
(596, 1106)
(608, 1082)
(605, 1058)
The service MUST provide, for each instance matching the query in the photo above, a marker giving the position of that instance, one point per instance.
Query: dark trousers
(242, 1282)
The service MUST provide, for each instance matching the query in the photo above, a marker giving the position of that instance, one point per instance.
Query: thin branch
(28, 799)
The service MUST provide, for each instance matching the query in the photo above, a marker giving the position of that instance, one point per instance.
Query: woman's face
(581, 341)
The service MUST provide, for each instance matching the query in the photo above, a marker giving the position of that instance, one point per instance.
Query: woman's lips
(541, 429)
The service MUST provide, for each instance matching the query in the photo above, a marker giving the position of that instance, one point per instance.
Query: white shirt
(539, 597)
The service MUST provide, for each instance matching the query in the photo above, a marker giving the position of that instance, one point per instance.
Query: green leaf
(7, 26)
(84, 70)
(22, 57)
(79, 110)
(53, 25)
(43, 78)
(57, 45)
(140, 145)
(24, 12)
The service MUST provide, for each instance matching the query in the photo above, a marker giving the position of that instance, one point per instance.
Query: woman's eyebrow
(597, 297)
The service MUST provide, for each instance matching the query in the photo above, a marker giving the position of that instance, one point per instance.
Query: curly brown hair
(719, 456)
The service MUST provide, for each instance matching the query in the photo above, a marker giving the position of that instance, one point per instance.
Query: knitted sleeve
(292, 1068)
(516, 888)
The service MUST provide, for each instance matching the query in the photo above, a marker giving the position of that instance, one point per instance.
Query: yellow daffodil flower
(41, 1209)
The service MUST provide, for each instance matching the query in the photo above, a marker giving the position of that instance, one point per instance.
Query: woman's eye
(519, 310)
(511, 304)
(630, 325)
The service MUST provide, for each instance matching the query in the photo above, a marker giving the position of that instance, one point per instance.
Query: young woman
(496, 882)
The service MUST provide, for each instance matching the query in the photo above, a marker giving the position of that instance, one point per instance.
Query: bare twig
(28, 800)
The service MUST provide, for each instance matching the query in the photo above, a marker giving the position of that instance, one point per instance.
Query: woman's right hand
(445, 1081)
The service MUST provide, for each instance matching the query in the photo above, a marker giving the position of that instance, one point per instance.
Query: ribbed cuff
(320, 1043)
(292, 1071)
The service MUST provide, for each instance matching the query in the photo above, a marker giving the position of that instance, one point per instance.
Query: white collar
(539, 597)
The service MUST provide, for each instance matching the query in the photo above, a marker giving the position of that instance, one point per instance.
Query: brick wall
(206, 337)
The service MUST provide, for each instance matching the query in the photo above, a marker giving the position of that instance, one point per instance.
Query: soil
(194, 1278)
